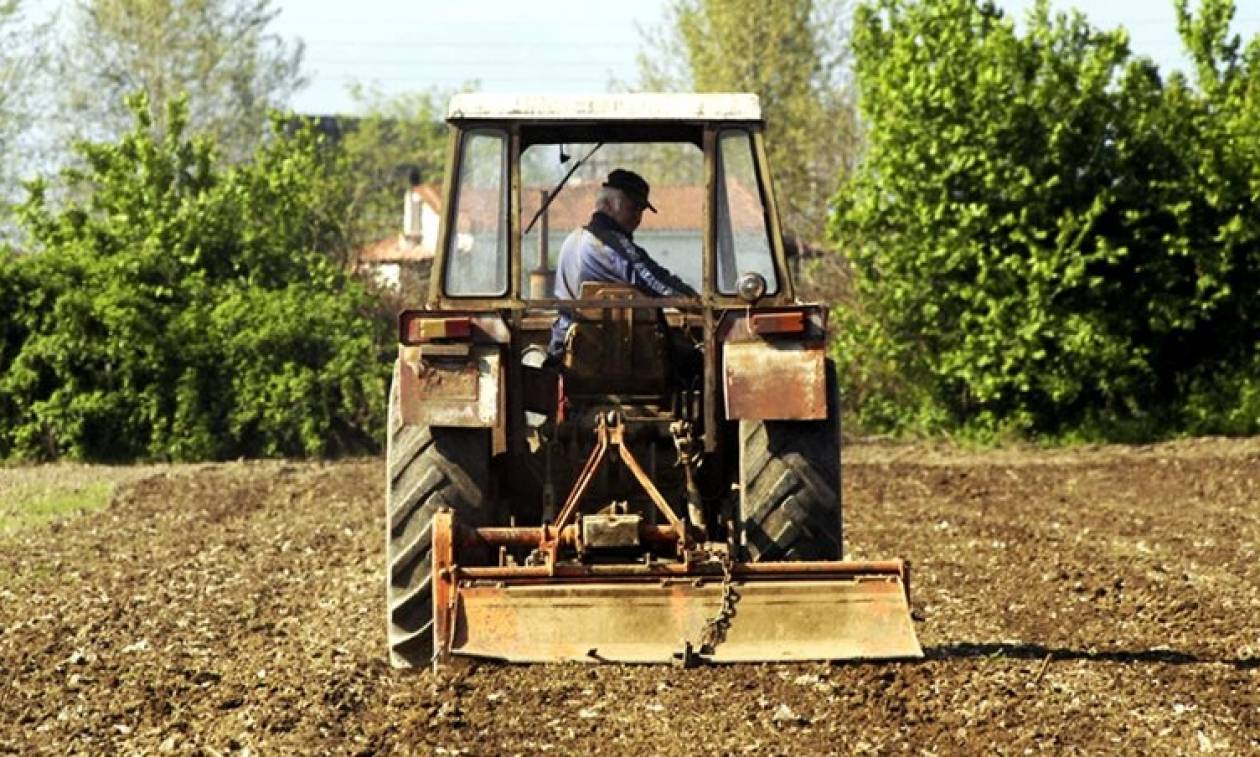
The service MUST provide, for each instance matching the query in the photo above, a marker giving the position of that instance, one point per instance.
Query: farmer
(604, 250)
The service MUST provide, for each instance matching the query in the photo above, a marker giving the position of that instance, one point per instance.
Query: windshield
(673, 236)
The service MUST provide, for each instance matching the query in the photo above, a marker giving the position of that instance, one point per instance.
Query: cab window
(477, 258)
(674, 236)
(743, 239)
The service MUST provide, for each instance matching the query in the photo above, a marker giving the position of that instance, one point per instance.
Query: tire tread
(790, 486)
(427, 468)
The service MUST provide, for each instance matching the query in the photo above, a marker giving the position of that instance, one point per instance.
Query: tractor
(606, 503)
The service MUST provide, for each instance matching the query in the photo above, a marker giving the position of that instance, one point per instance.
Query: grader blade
(660, 613)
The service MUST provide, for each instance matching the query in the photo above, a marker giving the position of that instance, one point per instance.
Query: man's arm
(635, 266)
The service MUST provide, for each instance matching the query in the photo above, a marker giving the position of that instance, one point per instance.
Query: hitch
(610, 432)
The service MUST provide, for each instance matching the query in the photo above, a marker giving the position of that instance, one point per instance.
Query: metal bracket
(610, 432)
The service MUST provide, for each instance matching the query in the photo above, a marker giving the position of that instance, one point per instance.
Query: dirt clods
(1098, 600)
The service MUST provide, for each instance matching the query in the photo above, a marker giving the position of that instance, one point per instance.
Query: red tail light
(791, 322)
(418, 327)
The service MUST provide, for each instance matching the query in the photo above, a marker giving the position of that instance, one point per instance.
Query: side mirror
(751, 287)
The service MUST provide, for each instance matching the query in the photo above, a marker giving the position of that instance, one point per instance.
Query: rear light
(791, 322)
(415, 328)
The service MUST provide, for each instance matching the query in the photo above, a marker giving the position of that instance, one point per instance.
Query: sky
(556, 45)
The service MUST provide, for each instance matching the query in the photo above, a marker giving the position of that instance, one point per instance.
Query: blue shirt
(604, 251)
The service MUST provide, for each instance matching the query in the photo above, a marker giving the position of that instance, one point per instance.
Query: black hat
(632, 185)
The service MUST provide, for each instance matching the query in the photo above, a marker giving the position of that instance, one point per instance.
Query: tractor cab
(525, 171)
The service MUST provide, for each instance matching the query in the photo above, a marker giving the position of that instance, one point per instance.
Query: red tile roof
(679, 207)
(391, 250)
(431, 194)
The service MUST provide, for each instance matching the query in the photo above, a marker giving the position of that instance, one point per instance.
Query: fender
(459, 390)
(774, 364)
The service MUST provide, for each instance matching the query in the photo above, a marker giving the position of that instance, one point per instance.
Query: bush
(176, 308)
(1050, 239)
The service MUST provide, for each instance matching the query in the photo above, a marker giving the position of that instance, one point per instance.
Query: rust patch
(443, 583)
(447, 380)
(775, 381)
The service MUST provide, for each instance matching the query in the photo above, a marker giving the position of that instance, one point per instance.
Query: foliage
(1049, 238)
(218, 52)
(400, 138)
(793, 54)
(184, 310)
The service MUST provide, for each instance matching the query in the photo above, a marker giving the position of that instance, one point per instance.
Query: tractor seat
(615, 350)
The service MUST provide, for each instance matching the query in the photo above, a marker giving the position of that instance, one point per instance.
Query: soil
(1093, 600)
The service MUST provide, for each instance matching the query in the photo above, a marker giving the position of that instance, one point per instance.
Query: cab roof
(655, 106)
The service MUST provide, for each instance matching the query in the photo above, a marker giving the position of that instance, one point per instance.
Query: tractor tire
(789, 475)
(427, 468)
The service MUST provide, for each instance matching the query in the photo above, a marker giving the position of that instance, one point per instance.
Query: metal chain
(715, 628)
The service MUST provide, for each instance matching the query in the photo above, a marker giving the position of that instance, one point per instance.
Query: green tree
(220, 52)
(1219, 214)
(184, 309)
(1049, 238)
(794, 55)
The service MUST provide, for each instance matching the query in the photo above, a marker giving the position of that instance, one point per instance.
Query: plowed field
(1100, 600)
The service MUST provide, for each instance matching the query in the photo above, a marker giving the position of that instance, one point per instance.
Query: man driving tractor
(604, 250)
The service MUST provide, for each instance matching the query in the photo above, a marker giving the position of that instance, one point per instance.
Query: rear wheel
(427, 468)
(789, 475)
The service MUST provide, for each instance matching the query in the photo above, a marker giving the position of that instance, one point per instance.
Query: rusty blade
(642, 621)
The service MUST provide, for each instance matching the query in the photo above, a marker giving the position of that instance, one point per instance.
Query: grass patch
(41, 505)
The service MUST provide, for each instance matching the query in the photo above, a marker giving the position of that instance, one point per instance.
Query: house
(386, 260)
